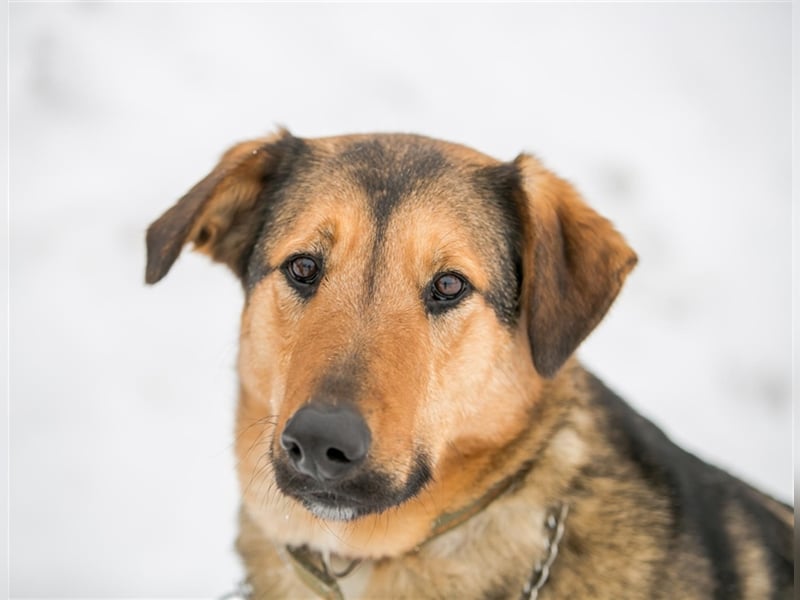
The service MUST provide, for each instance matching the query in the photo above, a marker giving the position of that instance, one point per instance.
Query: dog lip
(332, 507)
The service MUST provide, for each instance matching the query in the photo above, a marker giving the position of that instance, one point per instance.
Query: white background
(673, 119)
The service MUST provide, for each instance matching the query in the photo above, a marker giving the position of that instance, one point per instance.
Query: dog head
(405, 301)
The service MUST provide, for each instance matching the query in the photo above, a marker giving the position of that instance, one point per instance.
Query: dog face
(406, 300)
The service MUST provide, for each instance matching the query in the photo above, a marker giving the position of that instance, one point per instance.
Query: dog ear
(219, 214)
(576, 267)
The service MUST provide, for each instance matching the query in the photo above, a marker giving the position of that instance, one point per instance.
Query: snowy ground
(674, 120)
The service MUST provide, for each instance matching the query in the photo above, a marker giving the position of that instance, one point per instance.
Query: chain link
(541, 572)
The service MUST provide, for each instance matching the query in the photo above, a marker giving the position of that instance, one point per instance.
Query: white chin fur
(331, 513)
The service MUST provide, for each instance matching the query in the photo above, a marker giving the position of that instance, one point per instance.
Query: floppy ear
(219, 214)
(576, 267)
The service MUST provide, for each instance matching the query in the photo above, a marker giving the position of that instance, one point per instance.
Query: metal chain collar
(541, 571)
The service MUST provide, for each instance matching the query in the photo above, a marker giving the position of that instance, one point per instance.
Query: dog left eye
(448, 286)
(445, 291)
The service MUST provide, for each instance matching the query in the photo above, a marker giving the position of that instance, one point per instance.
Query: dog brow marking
(388, 174)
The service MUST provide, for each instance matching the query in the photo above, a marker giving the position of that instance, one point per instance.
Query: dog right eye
(303, 273)
(445, 292)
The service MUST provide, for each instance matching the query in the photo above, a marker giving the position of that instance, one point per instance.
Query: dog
(412, 422)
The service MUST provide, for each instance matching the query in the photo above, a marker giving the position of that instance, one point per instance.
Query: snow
(673, 119)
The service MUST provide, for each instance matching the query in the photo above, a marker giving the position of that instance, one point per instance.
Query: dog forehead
(360, 184)
(385, 171)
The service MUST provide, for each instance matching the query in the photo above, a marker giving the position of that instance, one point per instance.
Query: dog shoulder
(743, 536)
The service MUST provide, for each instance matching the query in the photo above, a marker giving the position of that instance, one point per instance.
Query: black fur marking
(698, 492)
(294, 155)
(388, 173)
(498, 185)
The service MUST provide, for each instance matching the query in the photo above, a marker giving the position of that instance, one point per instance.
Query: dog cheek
(264, 346)
(474, 375)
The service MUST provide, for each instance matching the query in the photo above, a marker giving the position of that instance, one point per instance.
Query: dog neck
(451, 520)
(317, 573)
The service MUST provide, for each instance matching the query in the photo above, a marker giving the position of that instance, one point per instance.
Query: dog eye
(303, 269)
(303, 273)
(445, 291)
(448, 286)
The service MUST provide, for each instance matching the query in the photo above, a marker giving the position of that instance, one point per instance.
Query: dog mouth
(325, 458)
(368, 492)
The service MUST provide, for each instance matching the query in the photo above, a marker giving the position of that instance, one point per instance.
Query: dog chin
(332, 513)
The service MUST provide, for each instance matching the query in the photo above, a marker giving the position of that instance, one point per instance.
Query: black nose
(325, 441)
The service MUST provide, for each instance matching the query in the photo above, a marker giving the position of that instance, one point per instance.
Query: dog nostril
(337, 456)
(294, 451)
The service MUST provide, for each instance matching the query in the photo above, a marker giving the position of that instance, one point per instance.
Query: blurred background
(673, 119)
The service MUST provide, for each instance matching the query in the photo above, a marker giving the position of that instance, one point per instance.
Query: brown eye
(445, 292)
(448, 286)
(303, 274)
(303, 269)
